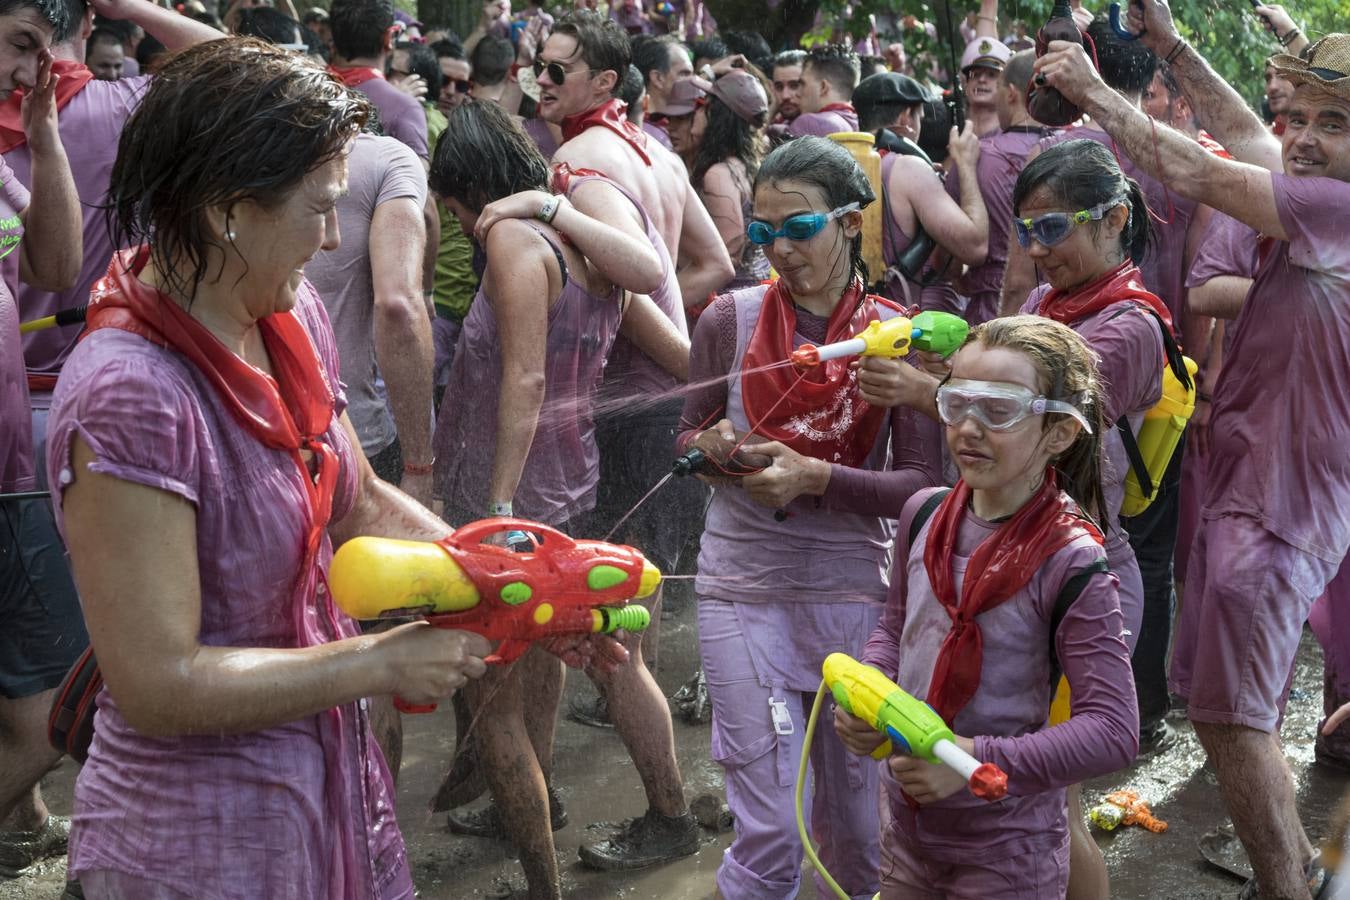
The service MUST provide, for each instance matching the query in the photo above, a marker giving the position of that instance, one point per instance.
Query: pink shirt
(401, 116)
(379, 170)
(1280, 425)
(1008, 715)
(299, 810)
(16, 425)
(91, 125)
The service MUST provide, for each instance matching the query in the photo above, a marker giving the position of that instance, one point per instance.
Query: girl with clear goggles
(997, 405)
(801, 227)
(1052, 228)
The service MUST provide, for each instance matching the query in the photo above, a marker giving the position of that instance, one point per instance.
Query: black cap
(889, 89)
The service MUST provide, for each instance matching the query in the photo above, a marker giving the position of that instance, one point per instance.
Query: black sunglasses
(556, 73)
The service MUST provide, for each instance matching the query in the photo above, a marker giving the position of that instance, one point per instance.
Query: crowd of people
(291, 279)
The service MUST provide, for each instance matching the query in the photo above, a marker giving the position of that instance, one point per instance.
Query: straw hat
(1327, 65)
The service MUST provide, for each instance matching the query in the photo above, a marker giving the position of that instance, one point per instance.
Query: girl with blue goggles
(801, 227)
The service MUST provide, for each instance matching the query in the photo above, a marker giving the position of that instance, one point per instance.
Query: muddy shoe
(692, 700)
(644, 841)
(487, 822)
(593, 712)
(20, 849)
(1156, 738)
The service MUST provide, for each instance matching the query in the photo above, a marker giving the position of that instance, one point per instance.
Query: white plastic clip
(782, 719)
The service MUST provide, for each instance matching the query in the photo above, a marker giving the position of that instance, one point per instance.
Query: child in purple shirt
(1023, 412)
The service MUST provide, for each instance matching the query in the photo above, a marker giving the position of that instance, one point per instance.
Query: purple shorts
(1248, 594)
(1031, 876)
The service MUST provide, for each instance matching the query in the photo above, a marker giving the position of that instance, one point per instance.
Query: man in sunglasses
(1277, 506)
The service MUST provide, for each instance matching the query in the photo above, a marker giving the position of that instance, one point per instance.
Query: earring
(229, 235)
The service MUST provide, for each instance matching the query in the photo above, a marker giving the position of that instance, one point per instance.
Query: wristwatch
(499, 509)
(549, 210)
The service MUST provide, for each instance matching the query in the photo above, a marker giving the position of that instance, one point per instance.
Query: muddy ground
(600, 786)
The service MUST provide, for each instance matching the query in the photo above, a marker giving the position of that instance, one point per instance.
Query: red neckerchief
(1000, 567)
(838, 107)
(1206, 140)
(290, 413)
(72, 77)
(561, 175)
(1281, 123)
(611, 115)
(822, 415)
(354, 76)
(1120, 285)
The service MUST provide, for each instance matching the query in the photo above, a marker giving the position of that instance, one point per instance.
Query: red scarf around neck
(71, 79)
(1001, 566)
(289, 413)
(822, 415)
(1120, 285)
(838, 106)
(354, 76)
(611, 115)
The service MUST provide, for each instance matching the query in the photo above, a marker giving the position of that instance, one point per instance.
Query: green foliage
(1225, 31)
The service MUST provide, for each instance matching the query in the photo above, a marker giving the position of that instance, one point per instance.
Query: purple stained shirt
(830, 549)
(90, 124)
(562, 467)
(298, 810)
(823, 124)
(1002, 157)
(657, 133)
(543, 138)
(1229, 247)
(1008, 714)
(16, 425)
(1164, 263)
(1280, 425)
(379, 170)
(401, 116)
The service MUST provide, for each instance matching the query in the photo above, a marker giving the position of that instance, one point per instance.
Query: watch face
(528, 86)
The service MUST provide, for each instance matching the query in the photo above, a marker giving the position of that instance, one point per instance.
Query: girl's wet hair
(821, 162)
(483, 155)
(224, 122)
(1067, 369)
(727, 135)
(1081, 174)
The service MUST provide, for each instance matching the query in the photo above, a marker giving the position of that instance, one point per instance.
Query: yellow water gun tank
(1159, 435)
(861, 145)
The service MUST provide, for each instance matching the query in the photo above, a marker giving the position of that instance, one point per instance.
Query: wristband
(411, 468)
(499, 509)
(1177, 49)
(549, 210)
(1289, 36)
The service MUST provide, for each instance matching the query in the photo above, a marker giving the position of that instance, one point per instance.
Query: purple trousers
(759, 761)
(1033, 876)
(444, 336)
(1248, 594)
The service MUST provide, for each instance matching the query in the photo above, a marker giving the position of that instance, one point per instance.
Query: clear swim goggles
(801, 227)
(997, 405)
(1052, 228)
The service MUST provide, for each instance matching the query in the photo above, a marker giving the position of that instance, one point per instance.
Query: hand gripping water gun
(562, 586)
(909, 724)
(931, 331)
(1125, 808)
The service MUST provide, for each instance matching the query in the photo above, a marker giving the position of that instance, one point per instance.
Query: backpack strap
(1068, 593)
(925, 512)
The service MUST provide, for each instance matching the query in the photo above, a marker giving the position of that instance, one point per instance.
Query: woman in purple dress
(203, 467)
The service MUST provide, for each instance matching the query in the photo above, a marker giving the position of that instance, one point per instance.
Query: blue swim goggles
(1052, 228)
(801, 227)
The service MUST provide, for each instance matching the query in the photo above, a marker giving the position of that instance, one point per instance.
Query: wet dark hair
(75, 12)
(103, 36)
(422, 61)
(708, 48)
(56, 13)
(1067, 368)
(823, 163)
(1017, 72)
(148, 53)
(359, 26)
(1082, 174)
(483, 156)
(601, 43)
(727, 136)
(446, 47)
(225, 121)
(751, 45)
(652, 54)
(935, 129)
(787, 58)
(1126, 66)
(491, 60)
(268, 24)
(835, 63)
(631, 90)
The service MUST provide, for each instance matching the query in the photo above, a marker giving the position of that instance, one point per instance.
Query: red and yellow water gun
(561, 586)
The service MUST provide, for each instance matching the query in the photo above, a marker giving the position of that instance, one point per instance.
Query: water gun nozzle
(989, 783)
(649, 582)
(807, 356)
(688, 463)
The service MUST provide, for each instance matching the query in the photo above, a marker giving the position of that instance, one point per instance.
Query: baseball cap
(684, 97)
(986, 52)
(742, 93)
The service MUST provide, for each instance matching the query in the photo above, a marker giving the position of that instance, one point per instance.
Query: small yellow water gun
(932, 331)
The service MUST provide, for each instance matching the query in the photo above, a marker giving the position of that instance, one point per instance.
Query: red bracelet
(415, 469)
